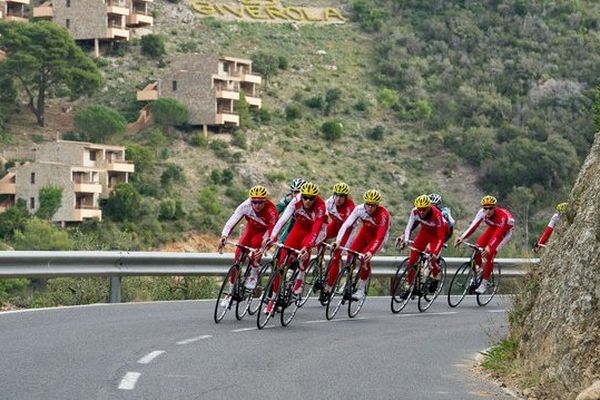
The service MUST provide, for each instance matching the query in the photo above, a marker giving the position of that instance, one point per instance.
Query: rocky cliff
(559, 332)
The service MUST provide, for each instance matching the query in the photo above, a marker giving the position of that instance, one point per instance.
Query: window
(32, 179)
(68, 23)
(92, 156)
(68, 3)
(174, 86)
(32, 203)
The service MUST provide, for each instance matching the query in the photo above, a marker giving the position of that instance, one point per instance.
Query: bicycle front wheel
(492, 288)
(263, 317)
(427, 294)
(227, 290)
(401, 289)
(245, 295)
(336, 299)
(290, 301)
(309, 281)
(461, 282)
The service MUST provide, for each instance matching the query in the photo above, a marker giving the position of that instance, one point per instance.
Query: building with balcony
(14, 10)
(209, 86)
(85, 172)
(98, 21)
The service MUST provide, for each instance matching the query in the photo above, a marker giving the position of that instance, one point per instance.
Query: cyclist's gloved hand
(536, 248)
(368, 256)
(267, 243)
(221, 244)
(400, 243)
(304, 254)
(457, 241)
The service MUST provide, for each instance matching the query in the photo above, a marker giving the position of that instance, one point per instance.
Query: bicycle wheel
(354, 306)
(461, 282)
(401, 288)
(262, 318)
(338, 291)
(492, 289)
(290, 302)
(427, 297)
(264, 273)
(245, 295)
(310, 278)
(226, 290)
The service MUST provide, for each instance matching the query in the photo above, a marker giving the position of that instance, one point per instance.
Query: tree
(13, 219)
(99, 123)
(50, 199)
(243, 110)
(332, 130)
(42, 235)
(519, 200)
(153, 46)
(123, 204)
(266, 65)
(42, 57)
(331, 99)
(169, 112)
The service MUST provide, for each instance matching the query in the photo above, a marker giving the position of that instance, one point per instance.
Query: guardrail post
(115, 289)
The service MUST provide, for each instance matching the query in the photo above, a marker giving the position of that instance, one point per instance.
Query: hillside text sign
(267, 11)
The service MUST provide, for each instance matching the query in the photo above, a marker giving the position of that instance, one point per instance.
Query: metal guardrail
(116, 264)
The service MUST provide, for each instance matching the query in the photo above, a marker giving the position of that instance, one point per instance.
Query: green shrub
(41, 235)
(236, 193)
(220, 148)
(315, 102)
(153, 46)
(332, 130)
(169, 112)
(238, 138)
(13, 219)
(199, 140)
(170, 209)
(292, 112)
(366, 13)
(387, 97)
(376, 133)
(173, 173)
(283, 62)
(98, 123)
(123, 203)
(263, 115)
(361, 105)
(50, 199)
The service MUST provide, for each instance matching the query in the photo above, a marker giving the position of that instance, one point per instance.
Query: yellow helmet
(258, 192)
(561, 207)
(309, 189)
(372, 197)
(423, 201)
(488, 201)
(341, 189)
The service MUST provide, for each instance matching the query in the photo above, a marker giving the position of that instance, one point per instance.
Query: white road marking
(244, 329)
(129, 380)
(425, 314)
(186, 341)
(498, 311)
(150, 356)
(317, 321)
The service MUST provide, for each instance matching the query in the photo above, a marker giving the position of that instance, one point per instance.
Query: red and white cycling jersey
(375, 226)
(263, 220)
(310, 220)
(339, 214)
(434, 224)
(549, 229)
(501, 220)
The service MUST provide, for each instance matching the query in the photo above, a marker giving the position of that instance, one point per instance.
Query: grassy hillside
(470, 96)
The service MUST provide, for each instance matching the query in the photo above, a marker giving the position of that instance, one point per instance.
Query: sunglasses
(422, 209)
(304, 197)
(257, 202)
(488, 208)
(339, 194)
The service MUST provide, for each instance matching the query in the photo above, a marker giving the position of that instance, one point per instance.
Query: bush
(292, 112)
(123, 203)
(41, 235)
(376, 133)
(172, 174)
(50, 199)
(98, 123)
(332, 130)
(153, 46)
(283, 62)
(198, 140)
(170, 209)
(238, 138)
(263, 115)
(361, 105)
(13, 219)
(169, 112)
(315, 102)
(387, 97)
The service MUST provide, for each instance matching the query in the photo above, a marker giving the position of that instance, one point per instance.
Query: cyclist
(500, 225)
(310, 215)
(432, 233)
(436, 200)
(295, 186)
(560, 208)
(339, 206)
(372, 234)
(261, 216)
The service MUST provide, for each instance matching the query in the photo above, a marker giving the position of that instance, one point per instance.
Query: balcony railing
(92, 187)
(8, 188)
(223, 118)
(43, 12)
(227, 94)
(79, 214)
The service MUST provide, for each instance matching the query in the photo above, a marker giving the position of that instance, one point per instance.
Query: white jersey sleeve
(349, 222)
(239, 213)
(474, 224)
(554, 220)
(410, 224)
(285, 217)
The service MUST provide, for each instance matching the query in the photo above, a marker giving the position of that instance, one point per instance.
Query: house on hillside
(86, 172)
(209, 86)
(14, 10)
(99, 22)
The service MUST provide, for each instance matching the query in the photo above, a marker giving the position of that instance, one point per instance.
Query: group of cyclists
(302, 221)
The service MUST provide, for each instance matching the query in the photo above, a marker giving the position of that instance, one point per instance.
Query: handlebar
(474, 246)
(241, 246)
(361, 255)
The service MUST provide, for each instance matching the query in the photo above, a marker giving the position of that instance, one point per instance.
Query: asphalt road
(174, 350)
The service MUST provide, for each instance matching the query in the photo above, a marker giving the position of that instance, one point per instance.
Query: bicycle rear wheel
(309, 281)
(223, 293)
(427, 298)
(492, 288)
(262, 318)
(354, 306)
(401, 288)
(336, 299)
(461, 282)
(264, 273)
(290, 302)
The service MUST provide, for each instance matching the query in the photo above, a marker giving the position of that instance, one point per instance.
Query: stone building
(85, 172)
(99, 21)
(209, 86)
(13, 10)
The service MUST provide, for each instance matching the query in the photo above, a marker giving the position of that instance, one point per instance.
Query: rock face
(560, 335)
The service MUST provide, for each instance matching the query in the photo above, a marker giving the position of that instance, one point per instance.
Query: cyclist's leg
(482, 241)
(294, 240)
(489, 264)
(420, 243)
(360, 244)
(336, 257)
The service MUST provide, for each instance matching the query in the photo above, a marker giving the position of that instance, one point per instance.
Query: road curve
(174, 350)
